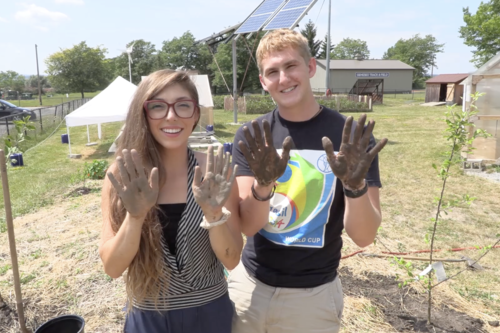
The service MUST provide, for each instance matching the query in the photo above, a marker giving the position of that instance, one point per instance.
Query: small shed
(445, 88)
(485, 80)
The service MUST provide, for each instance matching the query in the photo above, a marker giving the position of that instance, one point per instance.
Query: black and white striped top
(196, 276)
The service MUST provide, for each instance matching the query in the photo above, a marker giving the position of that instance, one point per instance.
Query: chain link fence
(45, 119)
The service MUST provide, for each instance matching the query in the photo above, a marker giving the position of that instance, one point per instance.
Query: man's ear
(312, 67)
(262, 82)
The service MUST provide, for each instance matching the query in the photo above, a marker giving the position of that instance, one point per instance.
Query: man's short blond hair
(281, 39)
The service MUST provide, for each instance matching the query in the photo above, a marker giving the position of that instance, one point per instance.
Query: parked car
(9, 109)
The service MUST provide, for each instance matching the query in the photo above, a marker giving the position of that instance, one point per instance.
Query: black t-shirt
(300, 246)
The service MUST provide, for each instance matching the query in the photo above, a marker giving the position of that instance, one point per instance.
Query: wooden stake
(12, 241)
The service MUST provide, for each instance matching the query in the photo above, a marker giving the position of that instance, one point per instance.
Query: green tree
(482, 31)
(144, 61)
(11, 80)
(417, 52)
(322, 51)
(225, 60)
(185, 53)
(350, 48)
(310, 32)
(79, 69)
(32, 82)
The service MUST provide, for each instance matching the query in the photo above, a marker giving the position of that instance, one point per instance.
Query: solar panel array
(297, 4)
(290, 14)
(260, 16)
(283, 14)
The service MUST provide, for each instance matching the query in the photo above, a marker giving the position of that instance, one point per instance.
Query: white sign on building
(372, 75)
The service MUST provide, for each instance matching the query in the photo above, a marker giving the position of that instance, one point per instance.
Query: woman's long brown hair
(148, 267)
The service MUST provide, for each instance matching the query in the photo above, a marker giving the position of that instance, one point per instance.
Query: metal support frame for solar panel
(290, 14)
(282, 12)
(260, 16)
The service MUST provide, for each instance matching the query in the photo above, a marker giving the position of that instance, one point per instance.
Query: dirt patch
(60, 267)
(7, 315)
(35, 313)
(404, 308)
(79, 191)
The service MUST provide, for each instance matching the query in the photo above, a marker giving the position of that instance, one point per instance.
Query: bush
(96, 169)
(345, 105)
(258, 104)
(219, 102)
(261, 104)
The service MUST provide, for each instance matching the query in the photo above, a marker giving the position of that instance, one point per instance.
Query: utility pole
(432, 67)
(328, 47)
(38, 74)
(235, 83)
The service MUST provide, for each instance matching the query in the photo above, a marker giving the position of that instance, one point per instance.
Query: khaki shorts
(260, 308)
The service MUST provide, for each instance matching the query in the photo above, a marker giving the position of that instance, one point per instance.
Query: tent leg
(99, 131)
(88, 134)
(69, 141)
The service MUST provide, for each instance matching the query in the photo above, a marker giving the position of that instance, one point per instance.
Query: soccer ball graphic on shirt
(300, 207)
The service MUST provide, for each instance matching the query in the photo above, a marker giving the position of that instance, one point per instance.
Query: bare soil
(404, 308)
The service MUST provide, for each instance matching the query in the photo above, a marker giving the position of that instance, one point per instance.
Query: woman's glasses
(157, 109)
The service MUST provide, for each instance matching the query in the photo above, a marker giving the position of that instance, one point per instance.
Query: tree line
(83, 68)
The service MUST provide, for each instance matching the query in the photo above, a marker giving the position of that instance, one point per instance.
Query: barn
(351, 76)
(445, 88)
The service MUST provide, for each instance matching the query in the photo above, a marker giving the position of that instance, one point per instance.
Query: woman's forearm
(118, 252)
(226, 244)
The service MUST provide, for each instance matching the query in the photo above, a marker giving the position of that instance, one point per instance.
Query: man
(293, 207)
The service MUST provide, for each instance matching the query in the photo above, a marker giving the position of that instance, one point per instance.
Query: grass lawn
(58, 234)
(48, 172)
(55, 99)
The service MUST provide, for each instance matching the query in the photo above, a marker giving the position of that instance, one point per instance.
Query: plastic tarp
(108, 106)
(487, 105)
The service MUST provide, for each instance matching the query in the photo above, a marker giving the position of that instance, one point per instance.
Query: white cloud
(3, 20)
(41, 18)
(72, 2)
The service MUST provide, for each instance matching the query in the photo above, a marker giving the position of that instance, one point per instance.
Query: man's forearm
(362, 218)
(254, 214)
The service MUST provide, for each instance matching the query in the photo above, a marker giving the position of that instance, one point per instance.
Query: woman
(172, 230)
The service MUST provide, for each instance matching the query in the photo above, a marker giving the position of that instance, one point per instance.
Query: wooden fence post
(41, 123)
(12, 242)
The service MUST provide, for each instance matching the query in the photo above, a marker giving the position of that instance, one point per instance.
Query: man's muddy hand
(265, 163)
(353, 160)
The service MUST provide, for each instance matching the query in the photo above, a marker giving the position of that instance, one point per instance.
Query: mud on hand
(137, 190)
(265, 163)
(353, 160)
(212, 193)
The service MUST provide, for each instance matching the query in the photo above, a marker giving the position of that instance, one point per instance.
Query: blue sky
(56, 24)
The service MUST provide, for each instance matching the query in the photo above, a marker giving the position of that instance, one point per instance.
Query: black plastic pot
(63, 324)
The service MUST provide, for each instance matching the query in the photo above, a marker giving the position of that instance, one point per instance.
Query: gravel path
(494, 176)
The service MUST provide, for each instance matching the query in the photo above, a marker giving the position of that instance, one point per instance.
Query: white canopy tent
(204, 93)
(203, 86)
(110, 105)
